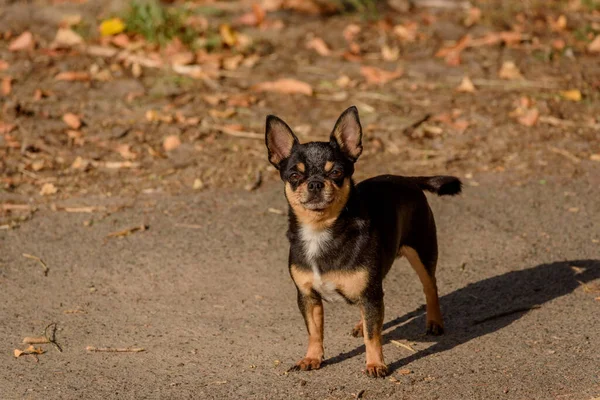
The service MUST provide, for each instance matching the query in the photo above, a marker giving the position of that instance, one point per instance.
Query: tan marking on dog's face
(350, 283)
(303, 279)
(318, 219)
(328, 166)
(301, 167)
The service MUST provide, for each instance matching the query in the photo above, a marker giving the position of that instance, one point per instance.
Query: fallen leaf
(473, 16)
(509, 71)
(253, 18)
(72, 120)
(111, 27)
(350, 32)
(317, 44)
(183, 58)
(390, 53)
(228, 35)
(121, 40)
(71, 20)
(530, 117)
(6, 86)
(284, 85)
(405, 371)
(22, 42)
(48, 189)
(6, 128)
(573, 94)
(73, 76)
(36, 340)
(233, 62)
(466, 86)
(451, 54)
(595, 157)
(125, 151)
(198, 184)
(594, 46)
(222, 114)
(378, 76)
(66, 38)
(558, 25)
(3, 65)
(558, 44)
(171, 142)
(406, 32)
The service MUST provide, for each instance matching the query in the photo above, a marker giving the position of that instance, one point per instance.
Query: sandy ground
(206, 292)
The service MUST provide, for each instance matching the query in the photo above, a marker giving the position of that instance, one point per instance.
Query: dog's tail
(440, 185)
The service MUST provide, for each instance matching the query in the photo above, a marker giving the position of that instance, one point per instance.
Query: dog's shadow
(486, 306)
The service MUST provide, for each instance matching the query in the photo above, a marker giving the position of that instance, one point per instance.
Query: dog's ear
(347, 134)
(279, 139)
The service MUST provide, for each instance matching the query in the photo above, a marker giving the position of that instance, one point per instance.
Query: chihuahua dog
(344, 237)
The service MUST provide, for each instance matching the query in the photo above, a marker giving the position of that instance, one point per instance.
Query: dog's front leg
(311, 308)
(372, 311)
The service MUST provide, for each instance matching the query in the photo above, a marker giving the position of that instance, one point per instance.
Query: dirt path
(206, 293)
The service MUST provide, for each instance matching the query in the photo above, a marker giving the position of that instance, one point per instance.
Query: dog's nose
(315, 186)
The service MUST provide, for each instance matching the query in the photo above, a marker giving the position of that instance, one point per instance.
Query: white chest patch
(315, 242)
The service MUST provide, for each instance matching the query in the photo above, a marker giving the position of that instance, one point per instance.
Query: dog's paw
(306, 364)
(357, 331)
(377, 370)
(434, 328)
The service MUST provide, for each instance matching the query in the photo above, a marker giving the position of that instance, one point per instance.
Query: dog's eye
(336, 174)
(295, 176)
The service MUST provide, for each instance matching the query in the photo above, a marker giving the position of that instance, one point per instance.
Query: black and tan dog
(344, 237)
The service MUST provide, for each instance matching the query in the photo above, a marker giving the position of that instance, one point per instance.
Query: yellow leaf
(228, 35)
(573, 94)
(111, 27)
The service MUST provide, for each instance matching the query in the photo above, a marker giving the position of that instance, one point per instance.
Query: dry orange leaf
(48, 189)
(594, 46)
(350, 32)
(253, 18)
(378, 76)
(72, 120)
(451, 54)
(509, 71)
(317, 44)
(73, 76)
(473, 16)
(6, 85)
(530, 117)
(171, 142)
(22, 42)
(284, 85)
(407, 31)
(6, 128)
(573, 94)
(466, 86)
(228, 35)
(66, 38)
(405, 371)
(3, 65)
(558, 25)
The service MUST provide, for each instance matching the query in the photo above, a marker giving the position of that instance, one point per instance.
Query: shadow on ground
(487, 306)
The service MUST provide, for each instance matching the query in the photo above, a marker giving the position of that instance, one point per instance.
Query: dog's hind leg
(435, 324)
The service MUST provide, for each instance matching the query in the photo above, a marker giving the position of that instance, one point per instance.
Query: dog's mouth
(317, 204)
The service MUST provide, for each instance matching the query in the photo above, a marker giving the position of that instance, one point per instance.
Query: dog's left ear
(347, 133)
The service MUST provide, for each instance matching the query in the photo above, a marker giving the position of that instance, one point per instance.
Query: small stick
(17, 207)
(114, 349)
(35, 340)
(256, 184)
(408, 130)
(400, 344)
(240, 134)
(128, 231)
(44, 266)
(565, 154)
(505, 313)
(52, 337)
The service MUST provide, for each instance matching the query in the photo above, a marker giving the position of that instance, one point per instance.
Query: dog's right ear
(279, 139)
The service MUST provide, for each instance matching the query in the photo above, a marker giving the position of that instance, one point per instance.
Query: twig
(16, 207)
(44, 266)
(128, 231)
(510, 85)
(505, 313)
(400, 344)
(256, 184)
(191, 226)
(409, 129)
(565, 154)
(52, 337)
(35, 340)
(114, 349)
(240, 134)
